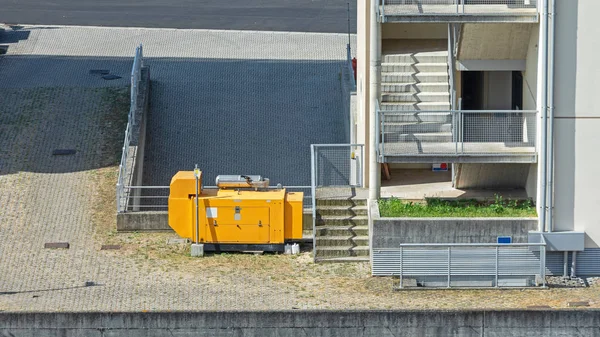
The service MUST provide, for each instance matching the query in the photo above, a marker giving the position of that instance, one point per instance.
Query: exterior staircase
(342, 230)
(416, 81)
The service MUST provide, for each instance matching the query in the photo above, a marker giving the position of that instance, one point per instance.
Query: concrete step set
(416, 82)
(342, 230)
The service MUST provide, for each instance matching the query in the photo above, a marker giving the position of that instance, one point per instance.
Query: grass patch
(434, 208)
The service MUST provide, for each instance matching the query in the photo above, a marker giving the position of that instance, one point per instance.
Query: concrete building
(504, 90)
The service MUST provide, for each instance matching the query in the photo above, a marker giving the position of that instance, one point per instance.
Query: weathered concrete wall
(391, 232)
(416, 31)
(305, 323)
(159, 221)
(494, 41)
(500, 176)
(143, 221)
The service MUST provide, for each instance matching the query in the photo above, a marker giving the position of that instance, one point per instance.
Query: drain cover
(110, 247)
(111, 77)
(55, 245)
(63, 152)
(99, 71)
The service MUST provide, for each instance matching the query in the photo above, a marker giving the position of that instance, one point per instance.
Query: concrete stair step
(416, 127)
(347, 259)
(414, 67)
(437, 97)
(418, 117)
(332, 220)
(423, 106)
(437, 137)
(402, 77)
(342, 230)
(342, 210)
(414, 87)
(331, 241)
(342, 251)
(341, 202)
(421, 57)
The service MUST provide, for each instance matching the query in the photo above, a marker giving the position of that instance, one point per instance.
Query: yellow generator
(242, 214)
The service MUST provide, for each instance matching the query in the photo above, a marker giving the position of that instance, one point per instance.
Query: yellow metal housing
(234, 217)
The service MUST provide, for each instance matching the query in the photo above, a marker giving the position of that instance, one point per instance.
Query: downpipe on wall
(543, 68)
(550, 94)
(374, 80)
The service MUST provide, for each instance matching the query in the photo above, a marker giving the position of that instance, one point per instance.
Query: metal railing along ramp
(449, 8)
(136, 75)
(463, 265)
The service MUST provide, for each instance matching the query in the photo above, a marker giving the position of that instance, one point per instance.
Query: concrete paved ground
(274, 15)
(49, 100)
(419, 184)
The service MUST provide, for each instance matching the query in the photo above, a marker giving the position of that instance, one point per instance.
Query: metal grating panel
(386, 262)
(588, 262)
(554, 263)
(461, 265)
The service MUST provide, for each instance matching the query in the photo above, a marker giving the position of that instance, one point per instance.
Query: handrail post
(313, 186)
(401, 266)
(118, 198)
(382, 135)
(497, 257)
(449, 264)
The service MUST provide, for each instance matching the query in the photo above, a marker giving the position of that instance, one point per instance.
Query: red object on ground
(354, 67)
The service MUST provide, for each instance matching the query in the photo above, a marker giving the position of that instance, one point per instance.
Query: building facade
(503, 90)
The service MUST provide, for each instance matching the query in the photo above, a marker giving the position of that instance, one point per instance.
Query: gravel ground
(47, 198)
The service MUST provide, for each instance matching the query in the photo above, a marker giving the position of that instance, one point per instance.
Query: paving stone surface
(49, 100)
(228, 100)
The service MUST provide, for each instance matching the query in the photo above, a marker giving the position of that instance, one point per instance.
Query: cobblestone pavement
(49, 100)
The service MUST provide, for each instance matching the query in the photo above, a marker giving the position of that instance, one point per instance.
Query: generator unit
(242, 214)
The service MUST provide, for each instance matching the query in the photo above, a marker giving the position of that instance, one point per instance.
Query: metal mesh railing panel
(410, 133)
(449, 7)
(337, 165)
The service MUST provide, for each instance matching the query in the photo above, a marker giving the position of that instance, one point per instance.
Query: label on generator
(211, 212)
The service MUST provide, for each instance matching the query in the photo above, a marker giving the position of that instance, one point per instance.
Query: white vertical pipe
(550, 160)
(543, 101)
(574, 264)
(374, 74)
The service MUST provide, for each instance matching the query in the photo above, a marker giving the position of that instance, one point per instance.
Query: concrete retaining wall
(305, 323)
(143, 221)
(391, 232)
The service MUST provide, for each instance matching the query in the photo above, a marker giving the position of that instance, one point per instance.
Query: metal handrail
(459, 7)
(128, 189)
(136, 73)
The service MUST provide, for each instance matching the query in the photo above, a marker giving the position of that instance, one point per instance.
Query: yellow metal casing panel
(250, 217)
(237, 224)
(253, 207)
(293, 215)
(181, 215)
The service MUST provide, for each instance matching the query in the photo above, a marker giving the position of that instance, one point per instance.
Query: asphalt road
(328, 16)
